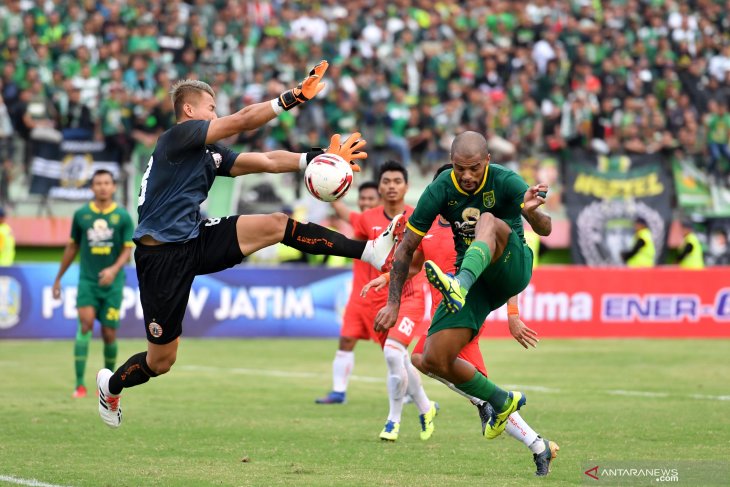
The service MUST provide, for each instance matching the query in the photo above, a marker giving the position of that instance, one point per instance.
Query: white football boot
(377, 252)
(109, 408)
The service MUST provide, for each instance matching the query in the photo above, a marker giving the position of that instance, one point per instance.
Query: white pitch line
(272, 373)
(621, 392)
(28, 482)
(362, 378)
(522, 387)
(711, 398)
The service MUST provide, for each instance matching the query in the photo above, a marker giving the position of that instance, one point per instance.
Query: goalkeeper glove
(306, 90)
(349, 149)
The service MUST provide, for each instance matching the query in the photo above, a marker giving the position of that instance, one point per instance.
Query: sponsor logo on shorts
(155, 329)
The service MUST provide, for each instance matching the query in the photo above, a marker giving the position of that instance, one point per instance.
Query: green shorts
(105, 300)
(499, 282)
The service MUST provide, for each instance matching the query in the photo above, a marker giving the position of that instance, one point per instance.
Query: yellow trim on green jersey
(484, 181)
(500, 194)
(456, 184)
(458, 188)
(414, 229)
(129, 244)
(96, 209)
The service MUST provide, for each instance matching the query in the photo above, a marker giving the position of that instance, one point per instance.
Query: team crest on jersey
(9, 302)
(100, 231)
(489, 199)
(217, 159)
(114, 219)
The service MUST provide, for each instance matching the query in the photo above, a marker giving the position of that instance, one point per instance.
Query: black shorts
(166, 272)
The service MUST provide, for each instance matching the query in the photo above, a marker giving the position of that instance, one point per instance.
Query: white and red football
(328, 177)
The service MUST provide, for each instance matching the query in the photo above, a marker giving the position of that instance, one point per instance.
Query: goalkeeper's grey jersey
(179, 175)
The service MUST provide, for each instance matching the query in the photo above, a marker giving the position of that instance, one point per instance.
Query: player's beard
(468, 186)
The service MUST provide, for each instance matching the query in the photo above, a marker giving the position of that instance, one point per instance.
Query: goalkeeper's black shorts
(165, 273)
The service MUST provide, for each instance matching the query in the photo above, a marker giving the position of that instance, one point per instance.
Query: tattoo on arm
(401, 264)
(540, 222)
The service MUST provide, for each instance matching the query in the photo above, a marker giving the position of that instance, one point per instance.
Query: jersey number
(406, 326)
(143, 187)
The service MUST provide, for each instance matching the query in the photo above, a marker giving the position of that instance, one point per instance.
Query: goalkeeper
(174, 243)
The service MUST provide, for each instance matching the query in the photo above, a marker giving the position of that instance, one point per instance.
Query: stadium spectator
(536, 76)
(74, 117)
(717, 125)
(719, 251)
(6, 151)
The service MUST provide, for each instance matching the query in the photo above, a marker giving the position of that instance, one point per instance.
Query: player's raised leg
(258, 231)
(491, 235)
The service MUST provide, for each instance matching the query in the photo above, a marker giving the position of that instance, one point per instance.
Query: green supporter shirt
(101, 236)
(501, 193)
(718, 128)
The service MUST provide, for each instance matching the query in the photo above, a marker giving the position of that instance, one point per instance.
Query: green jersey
(501, 193)
(101, 236)
(718, 128)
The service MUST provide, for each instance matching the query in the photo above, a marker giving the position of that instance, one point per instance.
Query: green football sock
(81, 354)
(110, 355)
(476, 258)
(483, 388)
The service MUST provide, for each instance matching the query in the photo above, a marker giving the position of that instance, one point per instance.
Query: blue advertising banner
(240, 302)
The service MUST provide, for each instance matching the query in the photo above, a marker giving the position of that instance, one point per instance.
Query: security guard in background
(643, 253)
(690, 254)
(7, 242)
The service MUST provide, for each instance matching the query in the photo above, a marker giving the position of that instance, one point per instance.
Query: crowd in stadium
(536, 76)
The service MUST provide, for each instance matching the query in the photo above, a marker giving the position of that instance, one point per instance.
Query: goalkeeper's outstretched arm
(259, 114)
(282, 161)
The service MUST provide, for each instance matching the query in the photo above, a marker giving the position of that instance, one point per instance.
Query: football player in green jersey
(101, 232)
(484, 203)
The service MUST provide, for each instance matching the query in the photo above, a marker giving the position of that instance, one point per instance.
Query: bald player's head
(470, 158)
(469, 145)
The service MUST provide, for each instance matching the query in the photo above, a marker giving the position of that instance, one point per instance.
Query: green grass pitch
(242, 412)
